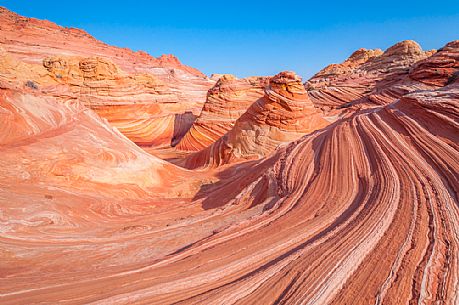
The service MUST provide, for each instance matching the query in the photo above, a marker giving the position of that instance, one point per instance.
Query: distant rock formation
(438, 69)
(346, 192)
(284, 114)
(226, 102)
(141, 95)
(364, 72)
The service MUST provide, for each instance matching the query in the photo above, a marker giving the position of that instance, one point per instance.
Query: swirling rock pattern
(148, 99)
(365, 72)
(439, 69)
(68, 143)
(284, 114)
(362, 210)
(226, 102)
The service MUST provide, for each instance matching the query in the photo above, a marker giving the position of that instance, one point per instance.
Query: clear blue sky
(254, 37)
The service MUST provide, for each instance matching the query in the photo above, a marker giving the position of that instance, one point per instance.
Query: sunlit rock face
(295, 204)
(438, 69)
(67, 144)
(363, 211)
(365, 73)
(150, 100)
(226, 102)
(284, 114)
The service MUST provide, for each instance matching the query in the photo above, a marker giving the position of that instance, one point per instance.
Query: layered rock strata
(284, 114)
(151, 100)
(226, 102)
(364, 73)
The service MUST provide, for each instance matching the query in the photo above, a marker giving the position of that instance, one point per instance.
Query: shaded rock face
(226, 102)
(139, 94)
(65, 143)
(361, 211)
(384, 181)
(366, 72)
(438, 69)
(284, 114)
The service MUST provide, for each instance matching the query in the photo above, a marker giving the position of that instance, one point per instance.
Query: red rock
(345, 214)
(365, 72)
(225, 103)
(361, 211)
(284, 114)
(41, 38)
(117, 83)
(439, 68)
(356, 59)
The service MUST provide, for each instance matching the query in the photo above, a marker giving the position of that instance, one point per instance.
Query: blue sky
(254, 37)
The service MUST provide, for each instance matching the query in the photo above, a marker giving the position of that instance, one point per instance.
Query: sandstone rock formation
(226, 102)
(364, 210)
(66, 145)
(354, 61)
(41, 38)
(284, 114)
(439, 68)
(150, 100)
(365, 72)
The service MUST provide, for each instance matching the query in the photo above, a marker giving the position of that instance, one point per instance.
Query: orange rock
(66, 144)
(348, 214)
(361, 211)
(225, 103)
(284, 114)
(365, 72)
(104, 77)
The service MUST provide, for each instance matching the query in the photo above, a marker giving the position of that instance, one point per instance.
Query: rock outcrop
(146, 98)
(66, 145)
(440, 68)
(225, 103)
(284, 114)
(284, 208)
(362, 211)
(354, 61)
(41, 38)
(364, 73)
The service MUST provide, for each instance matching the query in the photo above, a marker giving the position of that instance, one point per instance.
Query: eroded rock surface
(226, 102)
(286, 208)
(365, 72)
(284, 114)
(151, 100)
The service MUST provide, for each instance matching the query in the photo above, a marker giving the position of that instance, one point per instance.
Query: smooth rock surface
(226, 102)
(151, 100)
(284, 114)
(293, 205)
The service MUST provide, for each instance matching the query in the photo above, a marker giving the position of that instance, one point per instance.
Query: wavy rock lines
(362, 211)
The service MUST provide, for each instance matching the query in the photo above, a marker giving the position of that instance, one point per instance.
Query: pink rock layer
(151, 100)
(284, 114)
(67, 144)
(226, 102)
(363, 211)
(364, 73)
